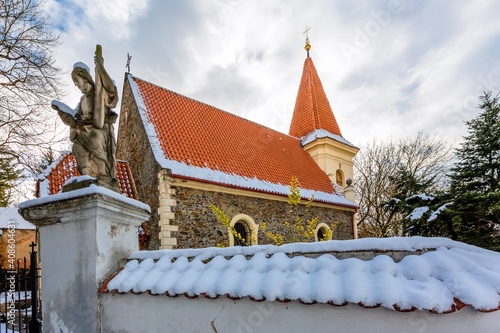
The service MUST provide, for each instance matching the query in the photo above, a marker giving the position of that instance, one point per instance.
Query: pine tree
(8, 175)
(475, 179)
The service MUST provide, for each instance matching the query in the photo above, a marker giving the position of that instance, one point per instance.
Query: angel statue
(91, 123)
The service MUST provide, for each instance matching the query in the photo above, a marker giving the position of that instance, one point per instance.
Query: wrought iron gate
(19, 301)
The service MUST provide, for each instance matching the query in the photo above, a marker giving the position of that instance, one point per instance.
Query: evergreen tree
(419, 202)
(475, 179)
(8, 176)
(426, 215)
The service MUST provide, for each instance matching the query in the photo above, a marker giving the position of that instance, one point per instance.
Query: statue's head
(81, 77)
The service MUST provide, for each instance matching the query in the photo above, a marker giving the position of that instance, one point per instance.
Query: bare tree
(424, 158)
(29, 80)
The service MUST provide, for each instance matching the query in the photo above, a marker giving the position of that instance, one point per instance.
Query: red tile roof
(312, 109)
(206, 138)
(65, 168)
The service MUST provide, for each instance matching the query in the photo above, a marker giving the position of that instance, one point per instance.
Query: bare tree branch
(425, 158)
(29, 80)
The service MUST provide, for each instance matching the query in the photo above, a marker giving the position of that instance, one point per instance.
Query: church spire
(312, 109)
(307, 47)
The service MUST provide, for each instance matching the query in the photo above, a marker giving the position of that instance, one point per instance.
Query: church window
(241, 228)
(322, 232)
(339, 178)
(246, 227)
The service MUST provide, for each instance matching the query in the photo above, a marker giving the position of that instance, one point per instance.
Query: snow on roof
(52, 166)
(321, 133)
(444, 279)
(10, 216)
(53, 179)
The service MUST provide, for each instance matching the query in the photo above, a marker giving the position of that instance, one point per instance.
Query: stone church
(186, 155)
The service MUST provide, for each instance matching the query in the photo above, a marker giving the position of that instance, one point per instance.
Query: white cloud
(417, 65)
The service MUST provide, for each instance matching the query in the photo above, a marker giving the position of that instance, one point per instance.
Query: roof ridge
(211, 106)
(317, 122)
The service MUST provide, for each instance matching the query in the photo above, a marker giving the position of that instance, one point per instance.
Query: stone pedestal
(83, 235)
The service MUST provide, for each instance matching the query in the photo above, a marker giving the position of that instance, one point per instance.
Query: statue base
(77, 183)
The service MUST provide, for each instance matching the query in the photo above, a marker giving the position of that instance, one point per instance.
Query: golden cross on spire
(308, 46)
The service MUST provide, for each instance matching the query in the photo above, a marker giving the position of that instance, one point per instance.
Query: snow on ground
(15, 295)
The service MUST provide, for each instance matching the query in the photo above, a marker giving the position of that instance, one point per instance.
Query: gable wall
(133, 146)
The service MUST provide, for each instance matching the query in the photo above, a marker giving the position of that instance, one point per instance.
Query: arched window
(246, 227)
(322, 232)
(241, 228)
(339, 178)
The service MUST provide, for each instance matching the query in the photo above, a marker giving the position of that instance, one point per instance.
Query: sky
(390, 68)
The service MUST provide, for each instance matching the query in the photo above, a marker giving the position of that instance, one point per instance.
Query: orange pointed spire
(312, 109)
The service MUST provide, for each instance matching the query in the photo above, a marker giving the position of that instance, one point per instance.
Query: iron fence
(19, 301)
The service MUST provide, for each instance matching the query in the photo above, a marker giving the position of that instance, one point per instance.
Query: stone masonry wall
(133, 146)
(198, 226)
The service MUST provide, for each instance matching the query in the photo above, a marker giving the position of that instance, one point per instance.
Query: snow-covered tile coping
(92, 189)
(217, 176)
(9, 216)
(321, 133)
(441, 280)
(411, 244)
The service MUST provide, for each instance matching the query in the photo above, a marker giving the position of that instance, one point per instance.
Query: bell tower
(314, 123)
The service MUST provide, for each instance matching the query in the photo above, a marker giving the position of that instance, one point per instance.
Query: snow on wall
(454, 271)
